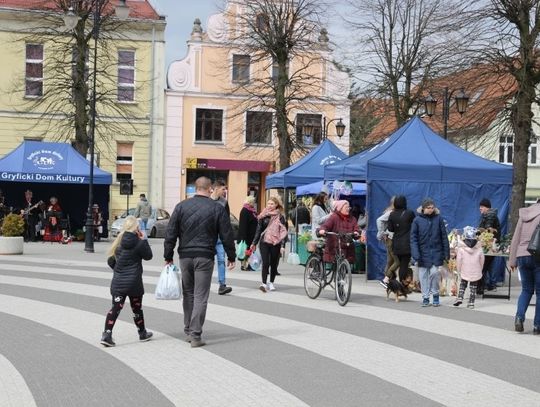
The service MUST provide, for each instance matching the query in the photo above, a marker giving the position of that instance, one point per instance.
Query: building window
(259, 127)
(240, 70)
(34, 70)
(506, 149)
(209, 125)
(126, 76)
(275, 69)
(262, 22)
(124, 160)
(533, 150)
(312, 120)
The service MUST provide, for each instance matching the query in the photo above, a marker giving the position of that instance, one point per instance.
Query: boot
(145, 335)
(107, 340)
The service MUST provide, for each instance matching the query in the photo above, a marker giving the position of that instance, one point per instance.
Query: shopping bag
(255, 260)
(293, 258)
(241, 250)
(534, 244)
(168, 286)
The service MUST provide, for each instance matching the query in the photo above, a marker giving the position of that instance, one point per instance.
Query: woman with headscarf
(340, 221)
(247, 226)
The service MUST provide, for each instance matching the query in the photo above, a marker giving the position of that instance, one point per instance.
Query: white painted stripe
(468, 386)
(13, 389)
(168, 363)
(484, 335)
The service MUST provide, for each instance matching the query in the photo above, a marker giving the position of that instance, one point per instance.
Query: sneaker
(144, 335)
(425, 302)
(188, 339)
(385, 286)
(197, 343)
(223, 289)
(518, 325)
(270, 287)
(436, 302)
(262, 287)
(458, 302)
(107, 340)
(471, 306)
(536, 330)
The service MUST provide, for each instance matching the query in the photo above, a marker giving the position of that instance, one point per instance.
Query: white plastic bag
(168, 286)
(255, 260)
(293, 258)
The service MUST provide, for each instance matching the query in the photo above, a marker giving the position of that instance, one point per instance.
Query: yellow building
(215, 129)
(129, 133)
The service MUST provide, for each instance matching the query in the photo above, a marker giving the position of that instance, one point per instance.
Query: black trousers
(270, 255)
(117, 305)
(404, 260)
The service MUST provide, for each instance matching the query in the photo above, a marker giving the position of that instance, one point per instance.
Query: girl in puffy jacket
(126, 255)
(470, 261)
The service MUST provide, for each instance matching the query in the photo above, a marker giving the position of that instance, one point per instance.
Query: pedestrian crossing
(279, 348)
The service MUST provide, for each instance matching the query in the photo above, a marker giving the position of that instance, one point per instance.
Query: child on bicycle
(340, 221)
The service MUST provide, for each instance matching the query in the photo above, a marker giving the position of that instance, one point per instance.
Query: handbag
(534, 244)
(168, 286)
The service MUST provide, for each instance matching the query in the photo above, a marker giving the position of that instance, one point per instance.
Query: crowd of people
(200, 228)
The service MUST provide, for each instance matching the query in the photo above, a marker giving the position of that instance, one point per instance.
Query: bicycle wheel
(343, 282)
(312, 276)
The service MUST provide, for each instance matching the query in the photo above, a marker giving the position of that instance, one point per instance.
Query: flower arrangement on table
(488, 241)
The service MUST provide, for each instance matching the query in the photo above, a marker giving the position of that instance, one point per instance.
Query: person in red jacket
(340, 221)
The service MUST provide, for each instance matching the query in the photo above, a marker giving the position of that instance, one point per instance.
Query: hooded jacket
(143, 210)
(470, 259)
(528, 219)
(429, 239)
(127, 265)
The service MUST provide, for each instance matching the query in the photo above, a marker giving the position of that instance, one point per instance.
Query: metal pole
(446, 111)
(89, 236)
(324, 129)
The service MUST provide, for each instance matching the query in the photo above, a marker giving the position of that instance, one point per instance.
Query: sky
(181, 13)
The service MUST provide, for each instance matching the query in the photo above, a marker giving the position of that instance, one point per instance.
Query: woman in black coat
(126, 255)
(399, 222)
(247, 226)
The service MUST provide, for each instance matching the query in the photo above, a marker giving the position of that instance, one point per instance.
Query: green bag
(241, 250)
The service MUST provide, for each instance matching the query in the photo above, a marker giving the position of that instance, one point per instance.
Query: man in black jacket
(489, 221)
(197, 223)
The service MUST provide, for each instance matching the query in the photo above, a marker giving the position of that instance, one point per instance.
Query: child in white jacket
(470, 261)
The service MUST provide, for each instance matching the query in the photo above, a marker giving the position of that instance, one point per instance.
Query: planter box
(11, 245)
(302, 252)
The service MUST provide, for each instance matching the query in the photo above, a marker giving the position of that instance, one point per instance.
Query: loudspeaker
(126, 187)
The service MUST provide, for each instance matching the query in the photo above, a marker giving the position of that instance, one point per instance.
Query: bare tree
(507, 37)
(66, 103)
(404, 43)
(288, 51)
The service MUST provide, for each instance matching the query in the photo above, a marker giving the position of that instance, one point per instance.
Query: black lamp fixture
(461, 99)
(308, 128)
(71, 19)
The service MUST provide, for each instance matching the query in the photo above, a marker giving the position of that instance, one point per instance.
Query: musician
(97, 220)
(54, 214)
(29, 213)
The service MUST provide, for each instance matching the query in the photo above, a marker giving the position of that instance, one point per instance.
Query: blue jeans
(429, 281)
(220, 252)
(143, 224)
(529, 271)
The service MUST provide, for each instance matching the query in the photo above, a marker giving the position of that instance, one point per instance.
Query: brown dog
(400, 288)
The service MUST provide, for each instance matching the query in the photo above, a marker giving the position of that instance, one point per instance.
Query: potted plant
(11, 241)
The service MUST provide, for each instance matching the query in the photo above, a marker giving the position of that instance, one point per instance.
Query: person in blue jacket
(429, 249)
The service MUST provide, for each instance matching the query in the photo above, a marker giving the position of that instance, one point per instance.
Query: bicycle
(317, 277)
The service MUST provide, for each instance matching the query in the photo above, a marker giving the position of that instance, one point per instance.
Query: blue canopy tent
(53, 169)
(307, 170)
(358, 188)
(417, 163)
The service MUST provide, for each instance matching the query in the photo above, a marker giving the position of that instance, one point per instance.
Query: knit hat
(338, 205)
(427, 202)
(485, 202)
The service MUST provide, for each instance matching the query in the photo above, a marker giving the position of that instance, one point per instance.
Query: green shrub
(13, 225)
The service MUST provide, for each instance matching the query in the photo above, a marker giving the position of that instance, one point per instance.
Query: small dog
(396, 287)
(400, 288)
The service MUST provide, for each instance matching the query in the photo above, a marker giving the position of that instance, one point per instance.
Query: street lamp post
(340, 128)
(71, 20)
(462, 100)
